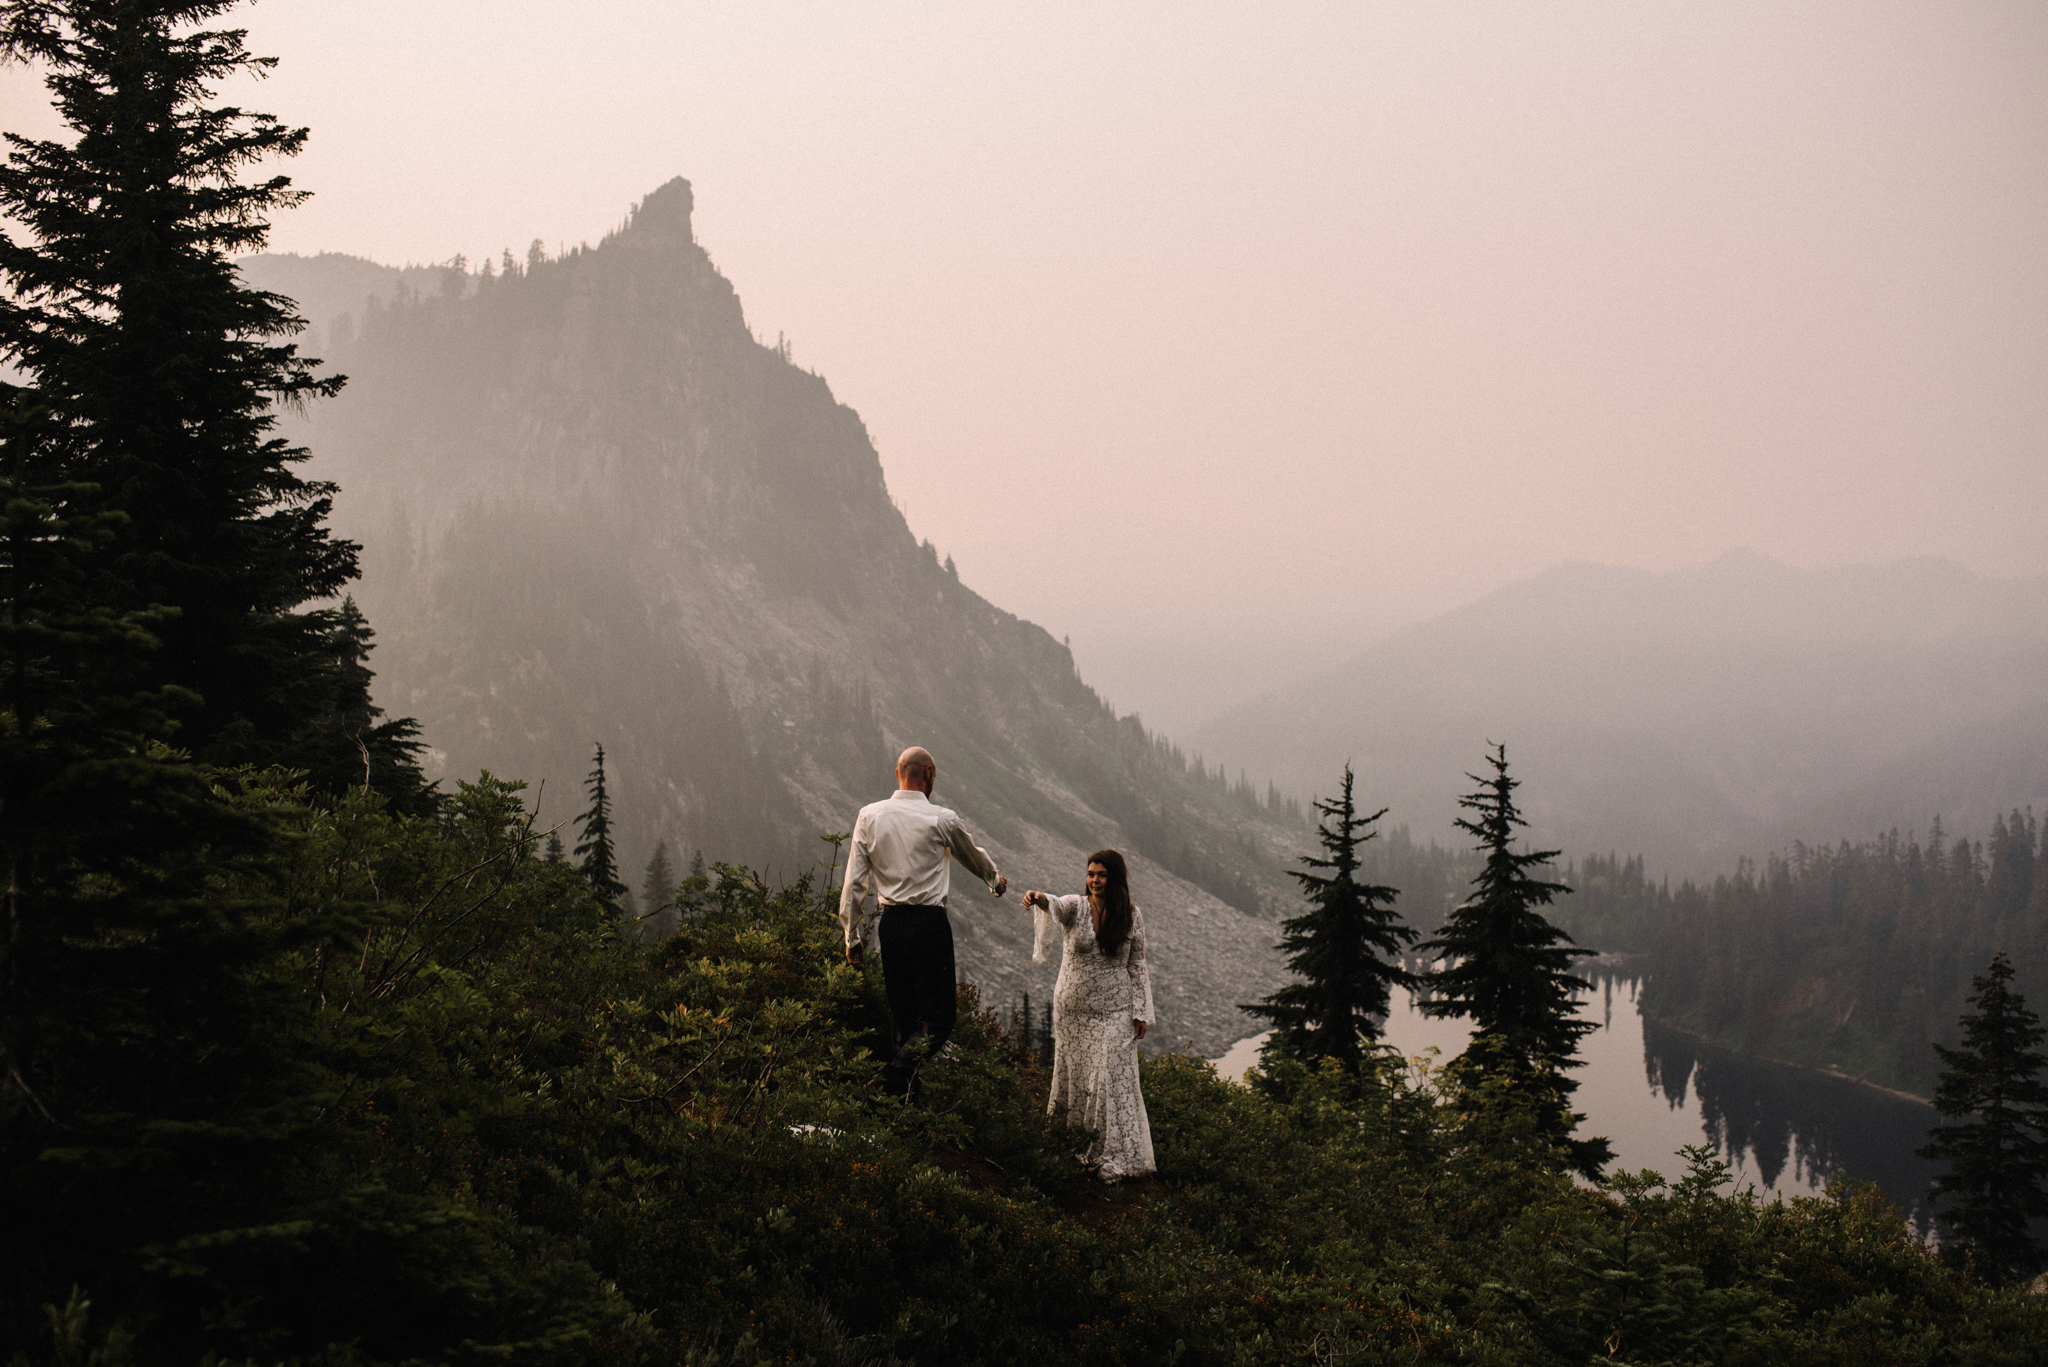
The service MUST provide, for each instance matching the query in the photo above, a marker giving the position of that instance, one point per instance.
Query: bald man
(905, 846)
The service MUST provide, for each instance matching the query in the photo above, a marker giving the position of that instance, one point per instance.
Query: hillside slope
(1696, 716)
(594, 508)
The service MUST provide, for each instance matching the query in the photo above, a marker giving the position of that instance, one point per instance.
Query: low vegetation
(482, 1124)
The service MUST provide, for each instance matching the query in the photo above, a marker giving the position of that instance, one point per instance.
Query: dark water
(1789, 1121)
(1652, 1091)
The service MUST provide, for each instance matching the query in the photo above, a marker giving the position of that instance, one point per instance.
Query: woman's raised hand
(1035, 898)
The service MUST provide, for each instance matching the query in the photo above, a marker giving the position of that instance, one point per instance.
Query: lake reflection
(1652, 1091)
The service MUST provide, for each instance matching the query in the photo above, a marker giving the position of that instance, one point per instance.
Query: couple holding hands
(904, 847)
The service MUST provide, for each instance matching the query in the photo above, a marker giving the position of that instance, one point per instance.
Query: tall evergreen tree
(1997, 1153)
(1509, 968)
(159, 374)
(1344, 949)
(594, 854)
(143, 1100)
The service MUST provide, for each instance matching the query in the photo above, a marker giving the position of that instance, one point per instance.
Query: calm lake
(1652, 1091)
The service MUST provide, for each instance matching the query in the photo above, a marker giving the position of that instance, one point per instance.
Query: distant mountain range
(1695, 716)
(595, 509)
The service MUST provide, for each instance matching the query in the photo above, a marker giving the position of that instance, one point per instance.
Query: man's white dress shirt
(905, 846)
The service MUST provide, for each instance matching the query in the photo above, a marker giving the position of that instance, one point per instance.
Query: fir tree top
(1344, 948)
(159, 375)
(596, 859)
(1510, 969)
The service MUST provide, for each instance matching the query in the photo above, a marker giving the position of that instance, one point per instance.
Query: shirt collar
(909, 795)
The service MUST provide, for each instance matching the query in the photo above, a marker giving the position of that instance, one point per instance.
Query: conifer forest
(398, 970)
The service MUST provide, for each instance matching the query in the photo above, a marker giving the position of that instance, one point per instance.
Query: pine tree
(1997, 1156)
(554, 854)
(1510, 969)
(658, 893)
(159, 374)
(595, 857)
(1344, 948)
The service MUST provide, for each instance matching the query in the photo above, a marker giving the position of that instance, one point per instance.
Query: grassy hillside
(497, 1130)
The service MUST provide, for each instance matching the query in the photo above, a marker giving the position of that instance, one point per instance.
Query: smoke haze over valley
(1694, 717)
(1301, 325)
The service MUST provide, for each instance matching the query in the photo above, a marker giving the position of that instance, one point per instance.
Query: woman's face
(1098, 880)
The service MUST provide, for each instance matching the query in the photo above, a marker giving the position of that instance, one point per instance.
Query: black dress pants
(918, 975)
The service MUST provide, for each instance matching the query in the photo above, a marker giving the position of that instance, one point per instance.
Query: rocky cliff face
(595, 509)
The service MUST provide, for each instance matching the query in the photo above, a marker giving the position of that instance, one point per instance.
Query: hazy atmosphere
(1222, 338)
(1467, 583)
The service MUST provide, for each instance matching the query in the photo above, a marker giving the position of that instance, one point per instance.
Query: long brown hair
(1117, 911)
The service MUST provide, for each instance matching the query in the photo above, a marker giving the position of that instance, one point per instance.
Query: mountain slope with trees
(1850, 958)
(595, 509)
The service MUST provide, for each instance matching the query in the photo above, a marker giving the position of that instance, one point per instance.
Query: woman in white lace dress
(1100, 1009)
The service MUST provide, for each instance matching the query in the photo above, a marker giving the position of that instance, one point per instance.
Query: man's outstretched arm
(975, 858)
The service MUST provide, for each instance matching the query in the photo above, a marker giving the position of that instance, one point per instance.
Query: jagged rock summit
(595, 508)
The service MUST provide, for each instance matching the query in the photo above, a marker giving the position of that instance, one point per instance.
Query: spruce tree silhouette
(157, 549)
(1997, 1155)
(1510, 969)
(595, 857)
(1344, 948)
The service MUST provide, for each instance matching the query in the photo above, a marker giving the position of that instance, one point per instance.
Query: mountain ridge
(595, 508)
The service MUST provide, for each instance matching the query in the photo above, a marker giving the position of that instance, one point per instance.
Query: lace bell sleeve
(1141, 976)
(1061, 909)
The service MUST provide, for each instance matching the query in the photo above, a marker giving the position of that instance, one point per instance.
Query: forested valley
(314, 1056)
(1850, 958)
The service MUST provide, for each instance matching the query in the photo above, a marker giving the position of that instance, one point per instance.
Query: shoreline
(1835, 1073)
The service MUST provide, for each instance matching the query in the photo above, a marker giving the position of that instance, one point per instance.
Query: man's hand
(854, 954)
(1137, 1029)
(1002, 885)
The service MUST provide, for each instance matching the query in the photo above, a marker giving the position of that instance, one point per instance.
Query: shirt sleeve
(853, 893)
(1141, 976)
(972, 856)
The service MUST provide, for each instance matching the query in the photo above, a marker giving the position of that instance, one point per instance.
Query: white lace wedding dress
(1094, 1057)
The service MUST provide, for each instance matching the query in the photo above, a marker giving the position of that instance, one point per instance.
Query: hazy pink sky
(1183, 326)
